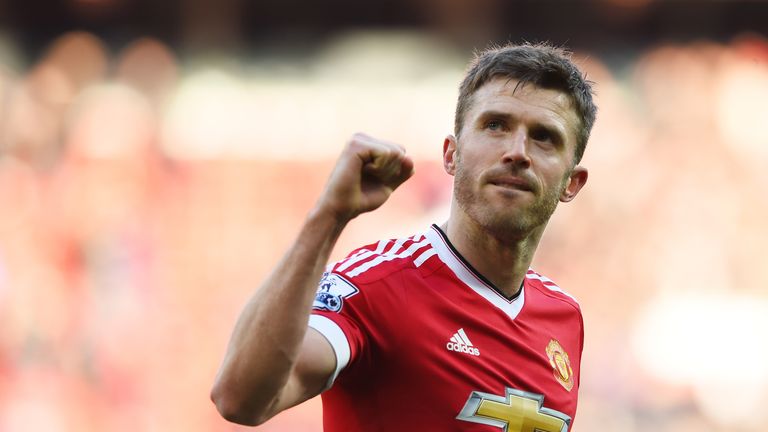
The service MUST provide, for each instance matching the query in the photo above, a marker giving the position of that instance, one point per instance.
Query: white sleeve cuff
(338, 340)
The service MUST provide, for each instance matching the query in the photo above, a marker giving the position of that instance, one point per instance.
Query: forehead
(529, 100)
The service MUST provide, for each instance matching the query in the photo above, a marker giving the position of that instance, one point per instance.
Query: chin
(507, 225)
(506, 221)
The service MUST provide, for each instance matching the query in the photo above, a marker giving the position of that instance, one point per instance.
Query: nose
(516, 149)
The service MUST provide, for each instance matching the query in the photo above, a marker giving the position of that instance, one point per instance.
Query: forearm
(267, 338)
(260, 374)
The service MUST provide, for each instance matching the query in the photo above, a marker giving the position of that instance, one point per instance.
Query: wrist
(323, 217)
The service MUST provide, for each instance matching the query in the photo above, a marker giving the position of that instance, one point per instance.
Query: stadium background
(156, 159)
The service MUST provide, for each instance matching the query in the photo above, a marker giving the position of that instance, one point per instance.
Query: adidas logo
(461, 343)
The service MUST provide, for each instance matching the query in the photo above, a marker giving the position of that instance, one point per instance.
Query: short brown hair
(541, 64)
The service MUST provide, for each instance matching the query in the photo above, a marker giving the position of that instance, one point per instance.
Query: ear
(576, 181)
(449, 154)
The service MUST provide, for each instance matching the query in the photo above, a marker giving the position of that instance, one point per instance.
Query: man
(449, 329)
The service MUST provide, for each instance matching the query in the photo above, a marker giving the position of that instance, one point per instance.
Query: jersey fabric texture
(425, 343)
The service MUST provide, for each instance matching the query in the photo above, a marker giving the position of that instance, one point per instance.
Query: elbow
(235, 409)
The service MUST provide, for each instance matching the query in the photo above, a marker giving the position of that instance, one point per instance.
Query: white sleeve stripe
(395, 246)
(549, 284)
(354, 258)
(361, 255)
(387, 257)
(338, 340)
(429, 253)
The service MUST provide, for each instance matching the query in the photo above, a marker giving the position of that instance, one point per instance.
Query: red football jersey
(425, 343)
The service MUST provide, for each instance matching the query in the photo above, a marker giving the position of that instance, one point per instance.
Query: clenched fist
(366, 173)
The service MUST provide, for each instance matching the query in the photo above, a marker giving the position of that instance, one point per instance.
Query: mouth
(512, 183)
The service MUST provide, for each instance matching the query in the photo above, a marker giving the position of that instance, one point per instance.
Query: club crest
(560, 363)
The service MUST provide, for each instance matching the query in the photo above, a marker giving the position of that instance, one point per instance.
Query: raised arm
(273, 362)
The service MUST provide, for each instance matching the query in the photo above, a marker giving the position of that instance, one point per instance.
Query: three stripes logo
(460, 343)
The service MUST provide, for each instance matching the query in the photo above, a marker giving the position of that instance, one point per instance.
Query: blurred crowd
(125, 254)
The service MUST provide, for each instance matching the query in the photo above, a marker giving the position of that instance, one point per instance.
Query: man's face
(514, 158)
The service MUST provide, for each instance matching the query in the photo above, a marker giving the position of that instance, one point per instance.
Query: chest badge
(560, 363)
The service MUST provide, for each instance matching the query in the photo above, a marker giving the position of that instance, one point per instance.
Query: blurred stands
(144, 197)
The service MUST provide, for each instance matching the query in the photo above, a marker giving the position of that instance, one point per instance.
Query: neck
(503, 261)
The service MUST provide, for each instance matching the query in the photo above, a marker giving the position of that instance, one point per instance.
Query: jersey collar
(471, 277)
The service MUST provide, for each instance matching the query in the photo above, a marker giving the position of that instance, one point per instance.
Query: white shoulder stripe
(547, 282)
(386, 257)
(427, 254)
(395, 246)
(537, 276)
(361, 255)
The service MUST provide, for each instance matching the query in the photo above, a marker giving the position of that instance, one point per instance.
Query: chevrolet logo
(519, 411)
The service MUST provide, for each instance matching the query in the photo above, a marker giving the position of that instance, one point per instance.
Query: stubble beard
(507, 225)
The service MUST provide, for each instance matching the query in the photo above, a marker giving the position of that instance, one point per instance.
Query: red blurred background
(157, 159)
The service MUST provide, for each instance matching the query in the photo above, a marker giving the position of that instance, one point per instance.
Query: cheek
(466, 169)
(463, 173)
(468, 162)
(560, 181)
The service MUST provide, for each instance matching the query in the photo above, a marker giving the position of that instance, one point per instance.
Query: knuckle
(353, 142)
(359, 138)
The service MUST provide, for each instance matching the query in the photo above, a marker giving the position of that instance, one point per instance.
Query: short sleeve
(336, 314)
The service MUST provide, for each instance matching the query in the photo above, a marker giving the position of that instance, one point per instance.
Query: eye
(543, 135)
(494, 125)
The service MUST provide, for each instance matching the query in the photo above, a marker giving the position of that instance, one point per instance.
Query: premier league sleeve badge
(331, 292)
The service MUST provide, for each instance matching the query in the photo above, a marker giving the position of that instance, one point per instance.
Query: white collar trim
(446, 254)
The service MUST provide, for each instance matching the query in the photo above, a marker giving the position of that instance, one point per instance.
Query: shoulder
(371, 272)
(549, 288)
(379, 260)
